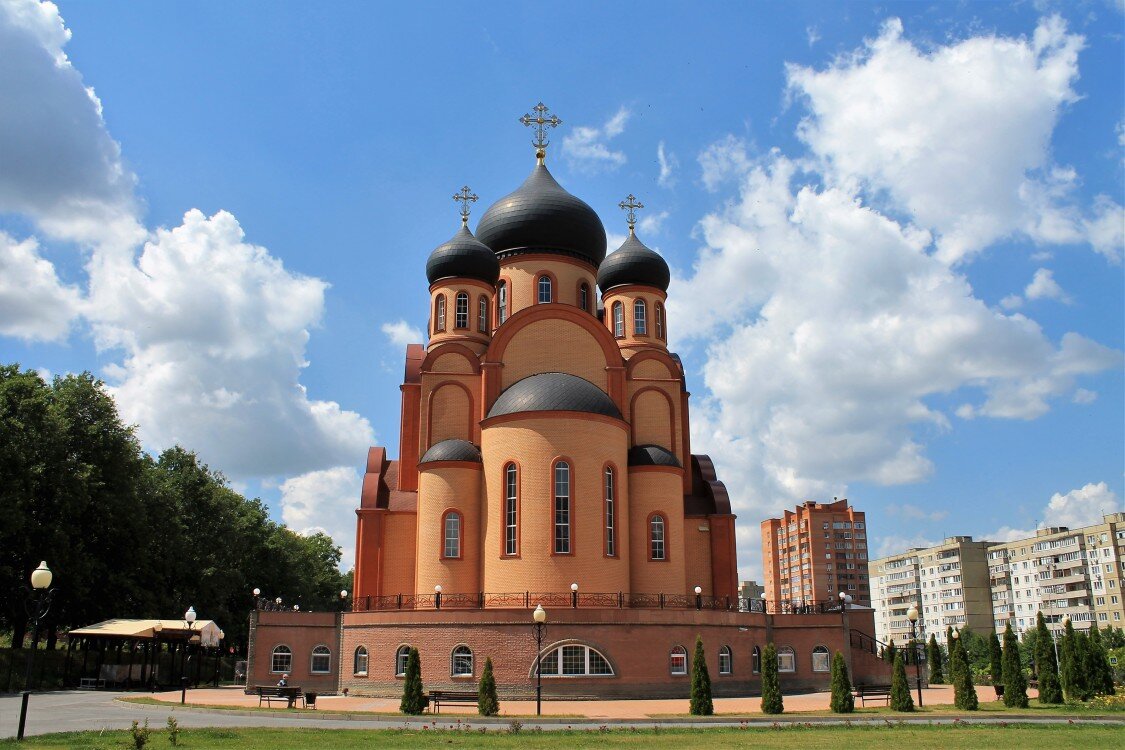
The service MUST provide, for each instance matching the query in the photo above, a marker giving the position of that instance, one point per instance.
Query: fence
(51, 670)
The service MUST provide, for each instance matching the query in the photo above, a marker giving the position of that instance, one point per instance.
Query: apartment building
(814, 552)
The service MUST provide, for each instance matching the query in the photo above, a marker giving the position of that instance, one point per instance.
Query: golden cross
(630, 206)
(541, 123)
(465, 197)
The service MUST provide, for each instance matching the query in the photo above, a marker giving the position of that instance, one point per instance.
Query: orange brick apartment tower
(813, 553)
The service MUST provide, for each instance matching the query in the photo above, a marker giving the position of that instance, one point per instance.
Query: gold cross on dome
(630, 206)
(465, 197)
(541, 122)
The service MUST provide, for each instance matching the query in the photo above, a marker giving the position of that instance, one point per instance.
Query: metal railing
(584, 600)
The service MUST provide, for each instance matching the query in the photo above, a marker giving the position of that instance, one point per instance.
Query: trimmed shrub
(900, 689)
(772, 702)
(413, 701)
(1015, 684)
(964, 693)
(843, 702)
(488, 704)
(933, 656)
(701, 704)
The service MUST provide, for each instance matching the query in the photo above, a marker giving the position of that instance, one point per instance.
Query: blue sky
(895, 230)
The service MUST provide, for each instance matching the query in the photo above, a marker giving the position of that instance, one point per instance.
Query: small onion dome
(652, 455)
(463, 257)
(633, 263)
(452, 450)
(542, 217)
(554, 391)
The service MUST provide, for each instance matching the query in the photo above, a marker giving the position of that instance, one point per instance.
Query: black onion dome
(554, 391)
(652, 455)
(542, 216)
(452, 450)
(633, 263)
(463, 257)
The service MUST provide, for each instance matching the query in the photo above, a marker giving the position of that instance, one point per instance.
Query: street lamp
(764, 607)
(540, 617)
(437, 596)
(574, 596)
(912, 615)
(189, 620)
(699, 597)
(343, 598)
(37, 606)
(156, 667)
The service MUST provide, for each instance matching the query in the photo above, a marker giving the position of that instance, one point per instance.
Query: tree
(1050, 689)
(889, 652)
(772, 702)
(900, 689)
(701, 704)
(1071, 673)
(995, 662)
(933, 656)
(1085, 683)
(843, 702)
(1098, 669)
(488, 704)
(964, 694)
(413, 702)
(1015, 684)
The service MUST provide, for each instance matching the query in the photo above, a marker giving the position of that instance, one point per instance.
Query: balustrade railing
(585, 600)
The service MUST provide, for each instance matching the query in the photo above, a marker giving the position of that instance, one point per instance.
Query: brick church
(545, 459)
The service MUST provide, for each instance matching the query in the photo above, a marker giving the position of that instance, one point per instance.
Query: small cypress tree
(413, 702)
(1015, 684)
(995, 662)
(772, 702)
(1050, 690)
(1101, 674)
(488, 704)
(701, 704)
(900, 689)
(1084, 685)
(1069, 667)
(933, 656)
(964, 694)
(843, 702)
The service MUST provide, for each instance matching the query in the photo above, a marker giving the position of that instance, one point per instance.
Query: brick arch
(645, 438)
(660, 356)
(450, 348)
(535, 313)
(467, 433)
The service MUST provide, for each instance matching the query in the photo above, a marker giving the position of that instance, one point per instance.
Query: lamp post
(574, 596)
(343, 599)
(38, 605)
(437, 596)
(189, 621)
(912, 615)
(540, 617)
(699, 597)
(764, 607)
(156, 660)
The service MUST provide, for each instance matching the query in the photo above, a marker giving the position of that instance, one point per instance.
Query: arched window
(678, 660)
(401, 657)
(461, 662)
(572, 660)
(656, 528)
(321, 660)
(610, 513)
(451, 533)
(821, 659)
(545, 295)
(439, 313)
(584, 296)
(562, 508)
(502, 303)
(786, 659)
(726, 660)
(511, 510)
(659, 321)
(482, 314)
(359, 663)
(619, 320)
(640, 323)
(461, 311)
(756, 660)
(282, 660)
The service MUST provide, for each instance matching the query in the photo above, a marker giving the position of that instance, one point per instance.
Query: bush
(933, 656)
(488, 704)
(772, 702)
(964, 693)
(900, 689)
(701, 704)
(1015, 684)
(140, 734)
(843, 702)
(1050, 689)
(173, 731)
(1097, 667)
(413, 701)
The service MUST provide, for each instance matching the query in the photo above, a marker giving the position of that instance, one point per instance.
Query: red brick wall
(301, 632)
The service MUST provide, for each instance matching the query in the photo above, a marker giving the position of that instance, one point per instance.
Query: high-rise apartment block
(813, 553)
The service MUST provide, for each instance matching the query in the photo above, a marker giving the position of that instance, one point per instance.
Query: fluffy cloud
(324, 501)
(910, 125)
(1081, 507)
(722, 161)
(402, 333)
(668, 166)
(586, 148)
(1044, 286)
(34, 303)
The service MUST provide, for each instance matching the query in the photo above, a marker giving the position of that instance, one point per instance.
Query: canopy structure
(202, 632)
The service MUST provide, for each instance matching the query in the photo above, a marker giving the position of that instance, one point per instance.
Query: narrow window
(321, 660)
(461, 662)
(511, 509)
(461, 315)
(502, 303)
(452, 534)
(756, 660)
(544, 289)
(482, 314)
(439, 316)
(401, 657)
(360, 664)
(562, 508)
(656, 537)
(640, 325)
(584, 296)
(660, 321)
(282, 659)
(725, 660)
(610, 515)
(618, 320)
(678, 660)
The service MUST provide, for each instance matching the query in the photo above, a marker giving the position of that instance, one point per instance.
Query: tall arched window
(786, 659)
(619, 320)
(726, 660)
(321, 660)
(511, 510)
(640, 322)
(545, 289)
(401, 657)
(439, 313)
(656, 528)
(451, 533)
(461, 662)
(820, 659)
(610, 513)
(461, 311)
(482, 314)
(562, 508)
(584, 296)
(756, 660)
(659, 321)
(282, 660)
(359, 664)
(502, 303)
(678, 660)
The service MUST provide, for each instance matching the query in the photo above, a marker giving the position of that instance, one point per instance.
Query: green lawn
(890, 736)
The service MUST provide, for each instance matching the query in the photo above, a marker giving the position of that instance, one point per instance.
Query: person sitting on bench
(284, 681)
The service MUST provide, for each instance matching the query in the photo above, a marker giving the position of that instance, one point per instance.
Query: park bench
(271, 693)
(454, 697)
(872, 692)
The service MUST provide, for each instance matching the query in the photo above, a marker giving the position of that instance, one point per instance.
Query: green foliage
(772, 702)
(1097, 666)
(978, 654)
(900, 689)
(488, 704)
(1015, 684)
(173, 731)
(964, 693)
(701, 704)
(933, 656)
(140, 734)
(995, 660)
(413, 701)
(1113, 637)
(889, 652)
(843, 702)
(1050, 687)
(1072, 671)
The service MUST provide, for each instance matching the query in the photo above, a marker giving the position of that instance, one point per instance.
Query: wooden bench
(271, 693)
(455, 697)
(872, 692)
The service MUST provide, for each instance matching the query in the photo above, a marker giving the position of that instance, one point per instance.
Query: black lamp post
(540, 617)
(574, 596)
(38, 605)
(699, 597)
(343, 599)
(912, 615)
(189, 621)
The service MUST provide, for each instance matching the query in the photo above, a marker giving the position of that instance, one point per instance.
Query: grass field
(891, 736)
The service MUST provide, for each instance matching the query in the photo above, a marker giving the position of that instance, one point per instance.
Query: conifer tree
(488, 704)
(772, 702)
(843, 702)
(933, 656)
(900, 689)
(701, 704)
(964, 694)
(1084, 684)
(1100, 673)
(413, 701)
(1015, 684)
(889, 652)
(995, 663)
(1050, 690)
(1069, 666)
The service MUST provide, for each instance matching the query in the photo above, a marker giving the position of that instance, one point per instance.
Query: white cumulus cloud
(324, 500)
(34, 303)
(1084, 506)
(400, 333)
(1044, 286)
(586, 148)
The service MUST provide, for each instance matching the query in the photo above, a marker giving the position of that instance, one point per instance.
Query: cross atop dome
(465, 197)
(541, 122)
(630, 206)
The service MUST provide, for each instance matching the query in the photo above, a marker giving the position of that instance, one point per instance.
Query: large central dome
(542, 217)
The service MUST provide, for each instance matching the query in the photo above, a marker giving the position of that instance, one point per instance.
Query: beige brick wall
(653, 417)
(651, 492)
(627, 296)
(452, 414)
(697, 553)
(452, 363)
(652, 368)
(441, 489)
(399, 545)
(523, 274)
(554, 346)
